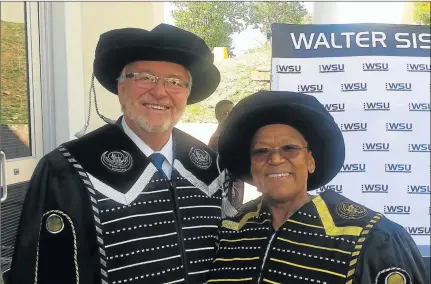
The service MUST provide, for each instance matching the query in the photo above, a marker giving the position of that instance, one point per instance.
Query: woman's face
(280, 162)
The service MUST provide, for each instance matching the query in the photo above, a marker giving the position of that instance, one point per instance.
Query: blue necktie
(157, 160)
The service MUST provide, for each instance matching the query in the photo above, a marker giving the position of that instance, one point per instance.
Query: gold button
(395, 278)
(54, 224)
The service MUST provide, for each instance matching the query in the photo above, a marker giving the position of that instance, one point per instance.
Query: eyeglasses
(148, 80)
(286, 151)
(225, 112)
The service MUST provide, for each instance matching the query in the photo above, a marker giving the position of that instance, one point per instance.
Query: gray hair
(122, 76)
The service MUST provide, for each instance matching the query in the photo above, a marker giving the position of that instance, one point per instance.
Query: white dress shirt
(166, 151)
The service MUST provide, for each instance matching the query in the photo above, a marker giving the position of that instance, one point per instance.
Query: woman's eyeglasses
(286, 151)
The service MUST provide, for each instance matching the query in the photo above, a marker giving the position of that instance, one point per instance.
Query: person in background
(222, 111)
(289, 144)
(136, 201)
(235, 186)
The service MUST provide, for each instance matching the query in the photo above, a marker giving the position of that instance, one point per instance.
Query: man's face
(223, 112)
(155, 107)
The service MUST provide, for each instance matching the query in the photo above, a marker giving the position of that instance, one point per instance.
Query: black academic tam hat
(301, 111)
(117, 48)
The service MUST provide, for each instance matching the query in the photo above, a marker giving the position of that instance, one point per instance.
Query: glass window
(15, 119)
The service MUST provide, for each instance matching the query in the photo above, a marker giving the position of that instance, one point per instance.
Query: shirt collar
(166, 151)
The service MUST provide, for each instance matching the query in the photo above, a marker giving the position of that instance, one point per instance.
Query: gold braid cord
(359, 244)
(75, 251)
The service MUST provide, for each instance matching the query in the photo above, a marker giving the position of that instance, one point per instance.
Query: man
(222, 110)
(137, 201)
(235, 186)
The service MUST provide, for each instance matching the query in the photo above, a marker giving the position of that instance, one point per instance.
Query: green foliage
(215, 22)
(236, 83)
(422, 13)
(308, 19)
(263, 14)
(13, 85)
(212, 21)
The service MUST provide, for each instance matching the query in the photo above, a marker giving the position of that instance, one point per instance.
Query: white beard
(146, 126)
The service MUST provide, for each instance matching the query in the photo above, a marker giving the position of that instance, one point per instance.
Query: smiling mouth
(156, 107)
(280, 175)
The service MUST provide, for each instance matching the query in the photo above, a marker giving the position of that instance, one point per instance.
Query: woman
(288, 144)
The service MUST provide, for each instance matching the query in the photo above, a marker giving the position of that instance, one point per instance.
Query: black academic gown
(97, 211)
(330, 239)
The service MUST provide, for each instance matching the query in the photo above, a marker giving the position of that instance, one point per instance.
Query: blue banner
(344, 40)
(375, 81)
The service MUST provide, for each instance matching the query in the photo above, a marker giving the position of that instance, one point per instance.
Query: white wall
(12, 12)
(363, 12)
